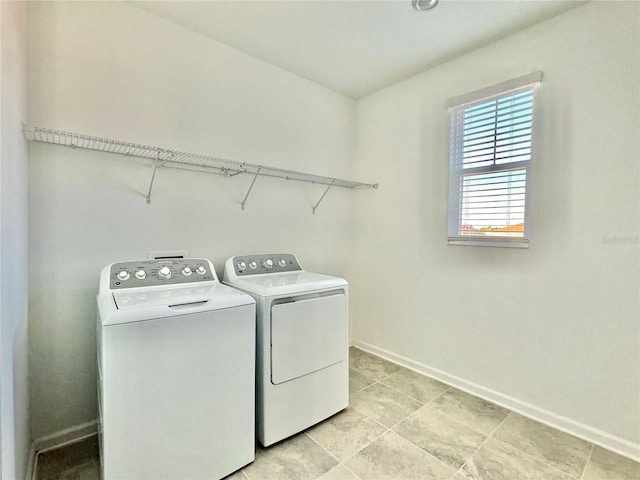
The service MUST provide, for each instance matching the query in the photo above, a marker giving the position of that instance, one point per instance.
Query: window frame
(457, 171)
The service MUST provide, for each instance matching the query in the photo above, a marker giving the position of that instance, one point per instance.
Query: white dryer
(176, 372)
(302, 365)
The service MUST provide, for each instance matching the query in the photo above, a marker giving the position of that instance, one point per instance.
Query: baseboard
(31, 462)
(66, 436)
(559, 422)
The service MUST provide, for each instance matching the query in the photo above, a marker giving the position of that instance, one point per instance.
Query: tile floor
(402, 425)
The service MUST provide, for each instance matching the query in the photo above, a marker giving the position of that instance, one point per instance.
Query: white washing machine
(302, 364)
(176, 372)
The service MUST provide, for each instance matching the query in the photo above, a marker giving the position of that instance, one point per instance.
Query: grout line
(461, 473)
(409, 396)
(460, 422)
(376, 438)
(327, 451)
(343, 462)
(368, 444)
(468, 425)
(375, 382)
(425, 451)
(340, 462)
(584, 469)
(369, 417)
(415, 412)
(351, 471)
(485, 441)
(538, 459)
(429, 454)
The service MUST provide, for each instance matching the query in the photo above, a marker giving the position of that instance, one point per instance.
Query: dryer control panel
(265, 263)
(169, 271)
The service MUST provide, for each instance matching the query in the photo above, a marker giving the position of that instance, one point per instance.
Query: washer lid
(146, 297)
(149, 303)
(285, 283)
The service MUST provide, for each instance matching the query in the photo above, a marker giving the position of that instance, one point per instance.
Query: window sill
(486, 242)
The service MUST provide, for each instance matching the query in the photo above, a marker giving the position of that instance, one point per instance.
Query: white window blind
(490, 155)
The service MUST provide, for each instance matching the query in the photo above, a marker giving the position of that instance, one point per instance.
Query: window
(489, 159)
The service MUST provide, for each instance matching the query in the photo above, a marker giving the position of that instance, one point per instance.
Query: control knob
(253, 265)
(201, 270)
(186, 271)
(282, 262)
(123, 275)
(141, 274)
(164, 272)
(268, 263)
(241, 266)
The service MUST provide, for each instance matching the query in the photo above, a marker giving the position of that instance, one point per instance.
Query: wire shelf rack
(166, 157)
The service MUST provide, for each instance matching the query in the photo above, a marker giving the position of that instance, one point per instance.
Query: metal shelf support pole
(255, 177)
(322, 197)
(153, 176)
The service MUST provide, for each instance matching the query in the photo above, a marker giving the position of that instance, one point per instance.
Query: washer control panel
(169, 271)
(265, 263)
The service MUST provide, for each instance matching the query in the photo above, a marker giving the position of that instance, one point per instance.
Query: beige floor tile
(482, 415)
(297, 458)
(605, 465)
(448, 440)
(346, 432)
(498, 461)
(54, 462)
(384, 404)
(371, 366)
(239, 475)
(339, 472)
(355, 352)
(87, 471)
(415, 385)
(459, 476)
(560, 449)
(358, 382)
(392, 457)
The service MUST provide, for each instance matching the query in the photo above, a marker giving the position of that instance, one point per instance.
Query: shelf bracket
(323, 195)
(255, 177)
(153, 176)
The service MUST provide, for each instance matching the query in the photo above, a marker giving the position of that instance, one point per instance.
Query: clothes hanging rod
(168, 157)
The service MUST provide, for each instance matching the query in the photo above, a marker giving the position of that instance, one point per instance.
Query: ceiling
(356, 47)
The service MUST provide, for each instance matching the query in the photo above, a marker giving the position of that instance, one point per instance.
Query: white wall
(553, 330)
(113, 70)
(15, 440)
